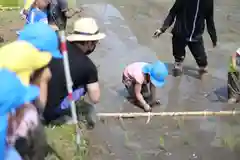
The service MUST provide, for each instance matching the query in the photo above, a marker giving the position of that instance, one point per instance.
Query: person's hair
(37, 73)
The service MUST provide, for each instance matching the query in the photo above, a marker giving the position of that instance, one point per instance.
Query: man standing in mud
(190, 17)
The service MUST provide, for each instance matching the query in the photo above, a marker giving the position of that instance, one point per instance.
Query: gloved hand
(157, 33)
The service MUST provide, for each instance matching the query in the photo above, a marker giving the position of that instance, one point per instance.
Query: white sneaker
(232, 100)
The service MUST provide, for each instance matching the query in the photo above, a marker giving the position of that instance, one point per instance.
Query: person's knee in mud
(141, 80)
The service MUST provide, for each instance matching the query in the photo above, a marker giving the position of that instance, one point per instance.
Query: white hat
(85, 29)
(238, 51)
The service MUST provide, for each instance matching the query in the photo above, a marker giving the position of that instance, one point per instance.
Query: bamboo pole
(163, 114)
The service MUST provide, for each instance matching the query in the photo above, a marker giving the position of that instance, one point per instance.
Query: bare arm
(139, 96)
(153, 93)
(42, 80)
(93, 91)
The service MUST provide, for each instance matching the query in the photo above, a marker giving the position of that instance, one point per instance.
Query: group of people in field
(33, 88)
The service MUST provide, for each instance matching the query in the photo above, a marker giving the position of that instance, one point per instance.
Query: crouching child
(141, 80)
(233, 78)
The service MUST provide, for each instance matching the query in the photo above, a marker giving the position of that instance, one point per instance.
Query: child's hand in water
(155, 102)
(147, 108)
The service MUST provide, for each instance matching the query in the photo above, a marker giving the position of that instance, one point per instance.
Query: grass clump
(62, 141)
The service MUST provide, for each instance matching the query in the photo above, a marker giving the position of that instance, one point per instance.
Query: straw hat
(85, 29)
(158, 72)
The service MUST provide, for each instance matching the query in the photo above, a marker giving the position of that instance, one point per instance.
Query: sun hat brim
(55, 53)
(32, 92)
(39, 59)
(77, 37)
(158, 83)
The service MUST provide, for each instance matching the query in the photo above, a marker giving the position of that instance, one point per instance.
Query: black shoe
(88, 111)
(177, 70)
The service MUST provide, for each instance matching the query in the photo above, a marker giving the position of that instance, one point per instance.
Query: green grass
(62, 141)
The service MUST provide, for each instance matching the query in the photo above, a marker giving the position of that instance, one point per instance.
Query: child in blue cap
(139, 77)
(37, 12)
(45, 39)
(17, 95)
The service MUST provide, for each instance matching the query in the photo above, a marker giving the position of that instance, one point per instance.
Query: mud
(129, 26)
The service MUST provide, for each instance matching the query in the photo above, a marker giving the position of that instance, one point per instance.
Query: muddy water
(129, 26)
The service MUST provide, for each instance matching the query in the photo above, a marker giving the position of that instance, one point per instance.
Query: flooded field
(129, 26)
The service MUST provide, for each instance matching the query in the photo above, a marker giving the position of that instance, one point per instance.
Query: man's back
(190, 17)
(83, 72)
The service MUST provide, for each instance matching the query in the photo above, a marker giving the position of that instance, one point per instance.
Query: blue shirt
(36, 15)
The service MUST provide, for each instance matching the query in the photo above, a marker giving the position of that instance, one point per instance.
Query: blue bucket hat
(158, 72)
(42, 36)
(12, 95)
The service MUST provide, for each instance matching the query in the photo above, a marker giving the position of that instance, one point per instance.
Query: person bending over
(233, 78)
(139, 78)
(80, 44)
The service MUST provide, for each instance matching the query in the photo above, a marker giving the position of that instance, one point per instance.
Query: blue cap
(158, 72)
(13, 94)
(42, 36)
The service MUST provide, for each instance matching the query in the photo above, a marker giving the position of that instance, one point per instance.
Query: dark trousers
(233, 79)
(196, 47)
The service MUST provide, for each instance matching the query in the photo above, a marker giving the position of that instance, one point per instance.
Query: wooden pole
(151, 114)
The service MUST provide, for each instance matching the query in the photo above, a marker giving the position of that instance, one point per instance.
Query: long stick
(145, 114)
(69, 85)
